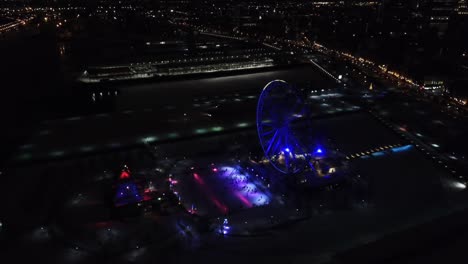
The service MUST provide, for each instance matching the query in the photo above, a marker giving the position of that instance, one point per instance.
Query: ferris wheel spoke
(268, 124)
(270, 143)
(287, 160)
(268, 127)
(290, 142)
(264, 134)
(275, 150)
(293, 156)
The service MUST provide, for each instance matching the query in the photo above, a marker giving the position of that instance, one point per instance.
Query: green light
(217, 129)
(149, 139)
(172, 135)
(200, 131)
(242, 124)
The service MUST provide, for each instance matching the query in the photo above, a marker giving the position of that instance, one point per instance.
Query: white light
(435, 145)
(459, 185)
(340, 77)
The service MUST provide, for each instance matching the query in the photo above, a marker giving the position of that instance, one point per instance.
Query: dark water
(30, 81)
(183, 92)
(34, 88)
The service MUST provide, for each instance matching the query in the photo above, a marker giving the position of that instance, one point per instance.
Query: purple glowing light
(244, 188)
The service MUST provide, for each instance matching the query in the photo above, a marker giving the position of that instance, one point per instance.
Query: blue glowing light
(225, 228)
(402, 148)
(377, 154)
(319, 151)
(127, 193)
(286, 149)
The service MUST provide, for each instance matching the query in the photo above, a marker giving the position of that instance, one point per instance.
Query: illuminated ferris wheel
(280, 109)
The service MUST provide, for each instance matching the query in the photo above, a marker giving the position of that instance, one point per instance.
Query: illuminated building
(395, 11)
(438, 14)
(461, 8)
(434, 85)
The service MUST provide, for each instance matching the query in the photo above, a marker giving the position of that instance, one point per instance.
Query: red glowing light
(197, 177)
(210, 194)
(124, 175)
(243, 199)
(218, 204)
